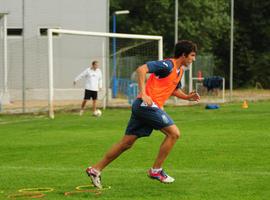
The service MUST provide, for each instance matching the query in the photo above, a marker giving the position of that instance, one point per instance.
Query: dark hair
(94, 62)
(184, 47)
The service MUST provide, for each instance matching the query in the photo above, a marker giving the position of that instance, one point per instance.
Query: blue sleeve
(160, 68)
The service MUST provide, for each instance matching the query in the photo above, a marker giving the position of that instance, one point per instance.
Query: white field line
(18, 121)
(134, 170)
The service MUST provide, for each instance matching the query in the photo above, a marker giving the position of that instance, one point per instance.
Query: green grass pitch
(222, 154)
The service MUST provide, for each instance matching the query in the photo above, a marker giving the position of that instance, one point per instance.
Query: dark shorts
(144, 119)
(88, 94)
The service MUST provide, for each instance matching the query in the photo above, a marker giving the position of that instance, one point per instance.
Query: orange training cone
(245, 104)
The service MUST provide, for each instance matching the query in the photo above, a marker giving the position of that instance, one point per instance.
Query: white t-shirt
(93, 79)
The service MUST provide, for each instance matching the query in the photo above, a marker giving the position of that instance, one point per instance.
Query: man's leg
(125, 143)
(83, 104)
(94, 107)
(172, 134)
(94, 172)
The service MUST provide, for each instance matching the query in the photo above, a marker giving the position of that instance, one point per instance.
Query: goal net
(70, 52)
(41, 69)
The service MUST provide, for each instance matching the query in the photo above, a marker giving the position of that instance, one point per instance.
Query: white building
(27, 45)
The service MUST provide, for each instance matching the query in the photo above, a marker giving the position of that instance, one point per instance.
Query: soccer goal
(211, 89)
(71, 51)
(202, 80)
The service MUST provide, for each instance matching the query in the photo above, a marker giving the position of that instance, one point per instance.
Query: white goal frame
(4, 97)
(201, 79)
(87, 33)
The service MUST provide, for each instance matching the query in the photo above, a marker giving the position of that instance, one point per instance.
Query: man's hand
(194, 96)
(146, 99)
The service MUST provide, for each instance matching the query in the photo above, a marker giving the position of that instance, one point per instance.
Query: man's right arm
(79, 77)
(141, 72)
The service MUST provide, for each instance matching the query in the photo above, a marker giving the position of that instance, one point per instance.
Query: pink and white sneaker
(160, 176)
(94, 174)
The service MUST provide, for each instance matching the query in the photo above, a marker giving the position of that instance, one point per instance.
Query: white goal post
(87, 33)
(4, 96)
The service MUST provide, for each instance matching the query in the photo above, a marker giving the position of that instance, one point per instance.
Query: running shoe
(95, 176)
(160, 176)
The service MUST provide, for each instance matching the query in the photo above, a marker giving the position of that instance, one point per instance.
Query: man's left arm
(192, 96)
(100, 81)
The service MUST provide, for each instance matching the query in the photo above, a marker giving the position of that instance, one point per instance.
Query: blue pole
(114, 79)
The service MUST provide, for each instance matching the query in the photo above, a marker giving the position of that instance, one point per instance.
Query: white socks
(156, 170)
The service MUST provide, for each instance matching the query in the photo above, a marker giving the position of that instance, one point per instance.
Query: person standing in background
(93, 83)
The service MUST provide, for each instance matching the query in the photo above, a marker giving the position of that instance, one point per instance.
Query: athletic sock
(96, 171)
(156, 170)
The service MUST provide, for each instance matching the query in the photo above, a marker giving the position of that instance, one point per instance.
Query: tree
(252, 44)
(207, 22)
(205, 19)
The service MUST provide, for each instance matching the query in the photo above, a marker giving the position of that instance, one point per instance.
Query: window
(14, 31)
(44, 32)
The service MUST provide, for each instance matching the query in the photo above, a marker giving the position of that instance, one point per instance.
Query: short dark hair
(184, 47)
(94, 62)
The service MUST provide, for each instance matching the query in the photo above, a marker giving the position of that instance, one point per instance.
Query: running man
(93, 83)
(147, 110)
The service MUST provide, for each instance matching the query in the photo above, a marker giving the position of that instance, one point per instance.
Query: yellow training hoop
(33, 195)
(82, 191)
(87, 187)
(36, 190)
(84, 187)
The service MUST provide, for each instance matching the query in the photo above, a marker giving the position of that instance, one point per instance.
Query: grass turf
(222, 154)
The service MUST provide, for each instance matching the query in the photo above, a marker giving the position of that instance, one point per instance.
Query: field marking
(134, 170)
(2, 122)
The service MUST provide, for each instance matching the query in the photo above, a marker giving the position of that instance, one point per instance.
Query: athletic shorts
(88, 94)
(144, 119)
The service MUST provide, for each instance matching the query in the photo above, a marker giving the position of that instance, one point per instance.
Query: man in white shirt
(93, 83)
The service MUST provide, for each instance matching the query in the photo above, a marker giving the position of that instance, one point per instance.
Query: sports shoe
(160, 176)
(81, 112)
(95, 176)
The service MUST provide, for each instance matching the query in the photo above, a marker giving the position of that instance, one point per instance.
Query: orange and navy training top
(165, 78)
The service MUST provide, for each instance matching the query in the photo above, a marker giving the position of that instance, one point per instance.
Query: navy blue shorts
(144, 119)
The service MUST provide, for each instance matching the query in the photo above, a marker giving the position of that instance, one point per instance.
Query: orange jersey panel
(160, 89)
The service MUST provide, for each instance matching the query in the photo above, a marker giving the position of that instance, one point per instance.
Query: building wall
(72, 54)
